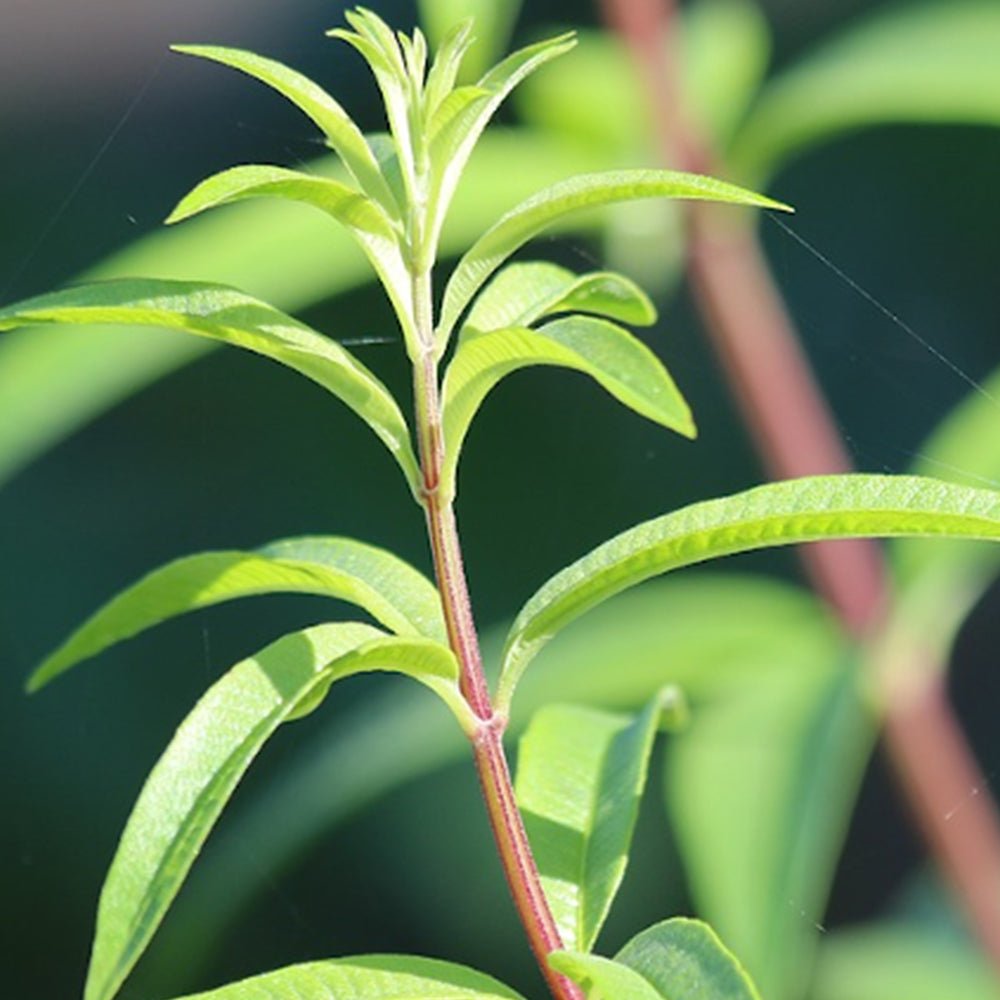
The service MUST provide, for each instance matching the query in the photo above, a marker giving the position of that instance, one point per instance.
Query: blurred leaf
(883, 961)
(521, 294)
(388, 588)
(791, 512)
(53, 382)
(493, 21)
(926, 62)
(368, 977)
(552, 204)
(779, 758)
(938, 584)
(343, 136)
(685, 958)
(602, 978)
(227, 315)
(613, 357)
(580, 775)
(726, 46)
(362, 217)
(197, 773)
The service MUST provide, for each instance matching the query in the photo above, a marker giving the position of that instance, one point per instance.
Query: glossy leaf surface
(389, 589)
(226, 315)
(685, 958)
(367, 977)
(613, 357)
(493, 21)
(792, 512)
(930, 62)
(342, 134)
(522, 294)
(553, 204)
(580, 775)
(778, 757)
(190, 785)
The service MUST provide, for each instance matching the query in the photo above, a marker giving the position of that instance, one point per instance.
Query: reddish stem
(795, 435)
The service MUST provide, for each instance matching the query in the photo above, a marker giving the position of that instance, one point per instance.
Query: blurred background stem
(795, 435)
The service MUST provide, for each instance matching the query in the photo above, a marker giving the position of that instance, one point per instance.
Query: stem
(505, 819)
(795, 435)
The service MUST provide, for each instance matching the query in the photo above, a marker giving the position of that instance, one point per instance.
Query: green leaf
(52, 383)
(453, 144)
(227, 315)
(879, 961)
(343, 136)
(389, 589)
(923, 62)
(493, 21)
(367, 977)
(362, 217)
(190, 785)
(580, 776)
(553, 204)
(602, 978)
(786, 746)
(522, 294)
(609, 354)
(801, 510)
(939, 584)
(685, 958)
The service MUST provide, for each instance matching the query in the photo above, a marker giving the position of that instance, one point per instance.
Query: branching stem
(487, 741)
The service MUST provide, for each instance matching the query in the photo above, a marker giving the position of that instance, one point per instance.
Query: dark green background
(232, 451)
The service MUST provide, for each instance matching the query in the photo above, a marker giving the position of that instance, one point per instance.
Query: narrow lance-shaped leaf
(566, 198)
(363, 218)
(445, 67)
(580, 774)
(685, 958)
(522, 294)
(612, 356)
(927, 63)
(389, 589)
(191, 783)
(492, 19)
(343, 136)
(453, 142)
(227, 315)
(801, 510)
(367, 977)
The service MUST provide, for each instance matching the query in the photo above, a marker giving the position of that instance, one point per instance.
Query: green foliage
(781, 720)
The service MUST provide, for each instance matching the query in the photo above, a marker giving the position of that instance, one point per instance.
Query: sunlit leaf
(603, 978)
(227, 315)
(786, 746)
(918, 62)
(362, 217)
(553, 204)
(51, 384)
(522, 294)
(455, 39)
(367, 977)
(392, 591)
(792, 512)
(342, 134)
(580, 775)
(453, 144)
(190, 785)
(609, 354)
(685, 958)
(895, 960)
